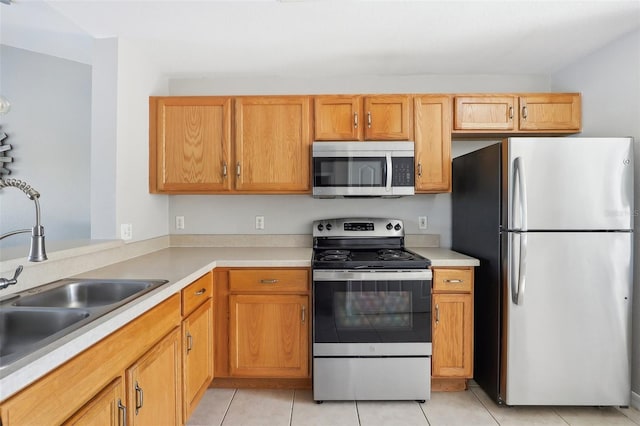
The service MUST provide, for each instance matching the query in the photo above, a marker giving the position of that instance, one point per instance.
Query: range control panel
(359, 227)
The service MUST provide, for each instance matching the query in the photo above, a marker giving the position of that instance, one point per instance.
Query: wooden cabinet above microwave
(357, 118)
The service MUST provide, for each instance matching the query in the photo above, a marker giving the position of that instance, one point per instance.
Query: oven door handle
(376, 275)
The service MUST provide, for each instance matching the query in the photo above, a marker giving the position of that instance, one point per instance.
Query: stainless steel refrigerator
(551, 221)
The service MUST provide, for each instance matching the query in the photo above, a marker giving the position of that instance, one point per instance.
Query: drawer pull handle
(454, 281)
(355, 120)
(271, 281)
(201, 292)
(123, 410)
(437, 314)
(369, 119)
(510, 113)
(525, 112)
(304, 312)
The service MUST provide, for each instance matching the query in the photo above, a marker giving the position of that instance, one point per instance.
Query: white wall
(609, 80)
(49, 128)
(294, 214)
(137, 80)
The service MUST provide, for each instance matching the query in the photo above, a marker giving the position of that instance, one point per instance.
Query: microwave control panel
(403, 174)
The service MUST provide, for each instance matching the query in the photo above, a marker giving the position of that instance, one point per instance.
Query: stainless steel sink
(88, 293)
(27, 329)
(34, 318)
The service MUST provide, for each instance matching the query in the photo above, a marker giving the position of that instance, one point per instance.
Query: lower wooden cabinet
(87, 388)
(197, 356)
(452, 325)
(269, 335)
(262, 320)
(153, 385)
(105, 409)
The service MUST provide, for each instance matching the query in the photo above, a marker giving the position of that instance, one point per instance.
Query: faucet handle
(4, 282)
(17, 273)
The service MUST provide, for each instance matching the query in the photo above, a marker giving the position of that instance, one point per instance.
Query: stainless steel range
(372, 313)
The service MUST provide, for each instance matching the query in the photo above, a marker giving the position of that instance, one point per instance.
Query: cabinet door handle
(454, 281)
(304, 312)
(437, 314)
(201, 292)
(224, 169)
(270, 281)
(355, 120)
(139, 398)
(238, 169)
(420, 169)
(510, 112)
(189, 342)
(369, 119)
(123, 412)
(525, 112)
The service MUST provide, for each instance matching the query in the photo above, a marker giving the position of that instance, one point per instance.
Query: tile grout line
(424, 413)
(229, 406)
(357, 413)
(553, 409)
(484, 406)
(293, 402)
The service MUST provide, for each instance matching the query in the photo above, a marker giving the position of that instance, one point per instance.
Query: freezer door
(568, 336)
(568, 183)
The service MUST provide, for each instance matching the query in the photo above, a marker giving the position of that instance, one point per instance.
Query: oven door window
(349, 171)
(372, 311)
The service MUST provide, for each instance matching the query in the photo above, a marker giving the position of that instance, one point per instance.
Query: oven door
(371, 313)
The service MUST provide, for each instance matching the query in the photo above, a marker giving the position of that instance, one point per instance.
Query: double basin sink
(33, 319)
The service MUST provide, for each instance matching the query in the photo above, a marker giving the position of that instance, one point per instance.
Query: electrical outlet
(259, 222)
(179, 222)
(422, 222)
(126, 231)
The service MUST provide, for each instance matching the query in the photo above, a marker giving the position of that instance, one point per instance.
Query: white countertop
(180, 266)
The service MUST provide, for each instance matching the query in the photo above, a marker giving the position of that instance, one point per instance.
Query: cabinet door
(554, 111)
(452, 335)
(388, 117)
(485, 113)
(153, 384)
(191, 141)
(197, 355)
(338, 118)
(272, 144)
(269, 335)
(107, 408)
(433, 143)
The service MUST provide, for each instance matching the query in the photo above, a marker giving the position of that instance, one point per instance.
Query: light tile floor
(249, 407)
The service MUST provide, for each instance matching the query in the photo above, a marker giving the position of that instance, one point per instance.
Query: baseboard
(635, 400)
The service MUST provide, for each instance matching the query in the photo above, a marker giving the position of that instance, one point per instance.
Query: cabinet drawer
(269, 280)
(454, 280)
(195, 293)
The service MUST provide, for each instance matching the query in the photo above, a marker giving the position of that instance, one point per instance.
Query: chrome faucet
(37, 252)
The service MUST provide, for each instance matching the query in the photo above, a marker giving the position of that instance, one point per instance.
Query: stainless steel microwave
(363, 169)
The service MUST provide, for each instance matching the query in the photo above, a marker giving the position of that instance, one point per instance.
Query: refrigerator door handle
(518, 279)
(518, 177)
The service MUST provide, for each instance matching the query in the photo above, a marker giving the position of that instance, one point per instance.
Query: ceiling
(325, 37)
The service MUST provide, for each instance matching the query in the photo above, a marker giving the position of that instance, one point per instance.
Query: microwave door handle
(389, 171)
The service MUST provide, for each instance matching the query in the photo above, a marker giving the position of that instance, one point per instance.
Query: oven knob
(389, 226)
(397, 227)
(329, 226)
(320, 227)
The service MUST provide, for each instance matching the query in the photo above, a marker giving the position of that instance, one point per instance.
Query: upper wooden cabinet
(557, 111)
(432, 143)
(484, 112)
(190, 144)
(353, 118)
(272, 144)
(536, 113)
